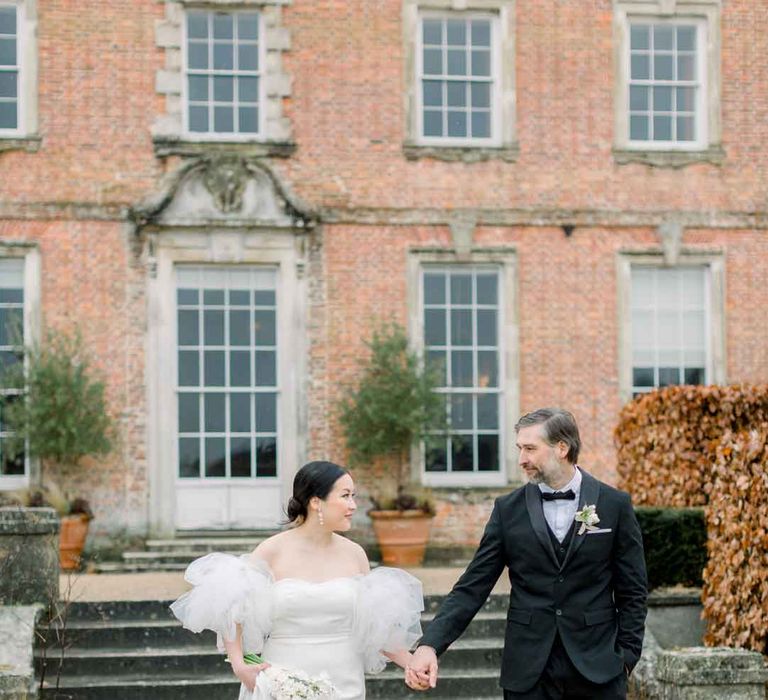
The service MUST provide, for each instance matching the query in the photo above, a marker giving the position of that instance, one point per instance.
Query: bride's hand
(247, 673)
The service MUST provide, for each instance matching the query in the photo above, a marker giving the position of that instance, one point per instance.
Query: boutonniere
(587, 516)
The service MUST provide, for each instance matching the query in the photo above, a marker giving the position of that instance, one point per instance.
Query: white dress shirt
(560, 514)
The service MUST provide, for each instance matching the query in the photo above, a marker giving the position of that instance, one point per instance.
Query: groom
(578, 599)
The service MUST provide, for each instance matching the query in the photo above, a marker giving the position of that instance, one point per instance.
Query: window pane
(223, 119)
(215, 457)
(214, 368)
(187, 296)
(461, 289)
(662, 128)
(266, 456)
(240, 456)
(240, 413)
(640, 37)
(663, 67)
(434, 327)
(264, 297)
(189, 413)
(481, 124)
(240, 368)
(433, 93)
(223, 88)
(11, 326)
(638, 97)
(461, 411)
(189, 458)
(433, 62)
(663, 37)
(640, 67)
(11, 464)
(686, 99)
(486, 327)
(7, 52)
(198, 119)
(189, 368)
(248, 26)
(481, 95)
(686, 38)
(461, 453)
(461, 368)
(686, 129)
(248, 89)
(197, 25)
(264, 323)
(686, 67)
(438, 362)
(457, 62)
(488, 411)
(213, 297)
(481, 32)
(197, 55)
(214, 415)
(642, 376)
(223, 56)
(434, 289)
(7, 20)
(488, 453)
(266, 370)
(433, 123)
(487, 372)
(8, 84)
(662, 99)
(213, 327)
(248, 57)
(436, 457)
(461, 327)
(487, 289)
(266, 413)
(8, 115)
(198, 88)
(481, 63)
(432, 31)
(694, 375)
(456, 31)
(669, 376)
(223, 26)
(457, 94)
(188, 327)
(239, 327)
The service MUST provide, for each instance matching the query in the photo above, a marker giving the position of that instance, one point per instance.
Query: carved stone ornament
(671, 236)
(462, 225)
(225, 179)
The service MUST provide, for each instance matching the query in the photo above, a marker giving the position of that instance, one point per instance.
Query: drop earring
(320, 516)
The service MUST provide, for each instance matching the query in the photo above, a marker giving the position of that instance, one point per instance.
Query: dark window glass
(189, 458)
(189, 413)
(240, 456)
(215, 457)
(266, 456)
(266, 413)
(461, 446)
(240, 413)
(189, 368)
(264, 323)
(214, 368)
(488, 452)
(189, 332)
(436, 455)
(215, 416)
(266, 370)
(239, 368)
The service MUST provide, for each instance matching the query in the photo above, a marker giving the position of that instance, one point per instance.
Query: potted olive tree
(58, 416)
(392, 409)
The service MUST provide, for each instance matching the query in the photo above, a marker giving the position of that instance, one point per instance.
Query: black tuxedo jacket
(595, 600)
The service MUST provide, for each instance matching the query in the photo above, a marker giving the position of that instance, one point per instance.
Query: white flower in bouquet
(286, 684)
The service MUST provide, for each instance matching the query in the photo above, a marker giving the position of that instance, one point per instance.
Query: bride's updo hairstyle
(313, 479)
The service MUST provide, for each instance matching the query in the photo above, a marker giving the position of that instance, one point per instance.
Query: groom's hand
(423, 665)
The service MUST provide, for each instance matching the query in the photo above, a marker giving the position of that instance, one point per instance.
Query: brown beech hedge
(735, 592)
(666, 440)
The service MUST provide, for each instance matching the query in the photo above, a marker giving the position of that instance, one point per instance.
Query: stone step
(159, 662)
(204, 545)
(139, 567)
(468, 685)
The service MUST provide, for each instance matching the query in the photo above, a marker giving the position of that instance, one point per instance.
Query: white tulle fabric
(339, 627)
(228, 590)
(388, 614)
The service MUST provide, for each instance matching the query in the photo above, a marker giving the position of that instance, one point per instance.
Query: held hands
(247, 673)
(421, 671)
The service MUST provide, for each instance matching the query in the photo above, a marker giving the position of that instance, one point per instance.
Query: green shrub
(675, 542)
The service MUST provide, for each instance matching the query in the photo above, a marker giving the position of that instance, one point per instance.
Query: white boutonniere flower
(587, 516)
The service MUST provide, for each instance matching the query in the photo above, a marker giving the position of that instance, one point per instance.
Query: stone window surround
(165, 248)
(670, 157)
(506, 259)
(654, 257)
(25, 138)
(32, 329)
(507, 148)
(167, 132)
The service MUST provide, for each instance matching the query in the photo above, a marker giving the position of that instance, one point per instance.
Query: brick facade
(564, 204)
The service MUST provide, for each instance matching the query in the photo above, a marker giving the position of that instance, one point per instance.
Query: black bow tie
(558, 495)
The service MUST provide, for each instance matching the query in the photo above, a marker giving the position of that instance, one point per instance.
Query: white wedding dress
(338, 627)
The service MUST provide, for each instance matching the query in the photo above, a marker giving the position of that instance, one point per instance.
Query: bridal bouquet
(293, 685)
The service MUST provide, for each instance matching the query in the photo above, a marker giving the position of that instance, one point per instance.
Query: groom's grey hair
(559, 425)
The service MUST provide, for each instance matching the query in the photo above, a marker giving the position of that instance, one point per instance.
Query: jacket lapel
(539, 524)
(590, 489)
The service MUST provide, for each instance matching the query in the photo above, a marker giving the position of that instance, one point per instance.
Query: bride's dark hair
(313, 479)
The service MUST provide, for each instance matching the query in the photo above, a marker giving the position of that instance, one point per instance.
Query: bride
(306, 599)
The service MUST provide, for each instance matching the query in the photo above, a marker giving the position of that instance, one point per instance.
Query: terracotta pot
(74, 529)
(402, 535)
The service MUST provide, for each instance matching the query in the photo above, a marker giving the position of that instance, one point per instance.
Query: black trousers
(561, 680)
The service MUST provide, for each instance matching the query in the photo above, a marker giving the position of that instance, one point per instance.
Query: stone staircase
(131, 650)
(175, 554)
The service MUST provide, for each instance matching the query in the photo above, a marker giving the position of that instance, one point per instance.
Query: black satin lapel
(539, 524)
(590, 489)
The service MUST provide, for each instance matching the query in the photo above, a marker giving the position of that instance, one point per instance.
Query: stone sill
(714, 155)
(674, 597)
(462, 154)
(165, 146)
(30, 144)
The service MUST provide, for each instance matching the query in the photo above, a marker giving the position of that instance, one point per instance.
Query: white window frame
(26, 60)
(705, 15)
(496, 95)
(700, 115)
(209, 136)
(714, 303)
(505, 260)
(31, 274)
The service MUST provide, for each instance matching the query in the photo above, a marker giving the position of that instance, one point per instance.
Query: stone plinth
(17, 641)
(29, 556)
(719, 673)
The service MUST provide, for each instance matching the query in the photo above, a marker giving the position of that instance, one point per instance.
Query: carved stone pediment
(222, 190)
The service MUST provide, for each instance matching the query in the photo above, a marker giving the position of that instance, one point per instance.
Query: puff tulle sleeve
(388, 614)
(228, 590)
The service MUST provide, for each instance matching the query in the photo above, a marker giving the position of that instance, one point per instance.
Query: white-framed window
(457, 58)
(670, 318)
(667, 83)
(11, 73)
(461, 317)
(223, 86)
(457, 93)
(672, 329)
(227, 386)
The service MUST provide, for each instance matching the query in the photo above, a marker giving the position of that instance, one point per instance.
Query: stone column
(717, 673)
(29, 556)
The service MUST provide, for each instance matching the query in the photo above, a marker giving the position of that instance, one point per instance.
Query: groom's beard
(542, 474)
